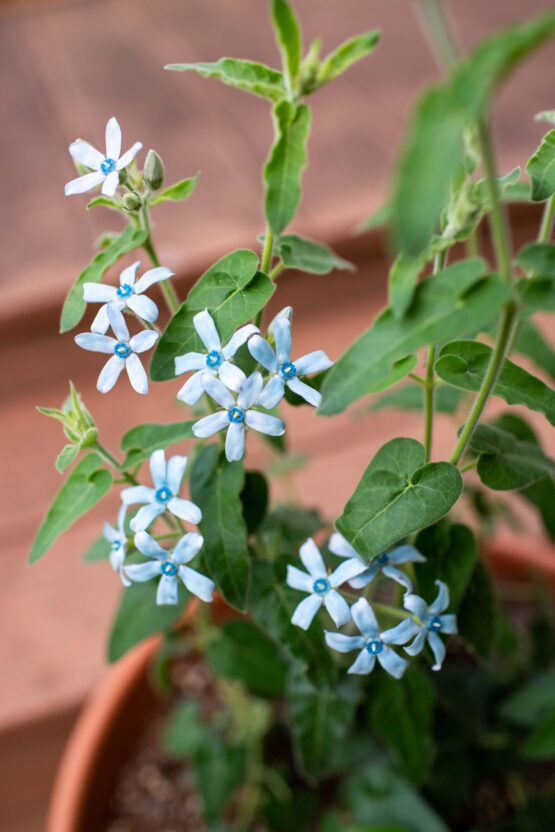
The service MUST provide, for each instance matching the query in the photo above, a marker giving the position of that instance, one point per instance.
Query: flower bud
(131, 202)
(153, 172)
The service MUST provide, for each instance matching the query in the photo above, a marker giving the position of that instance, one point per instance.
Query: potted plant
(321, 703)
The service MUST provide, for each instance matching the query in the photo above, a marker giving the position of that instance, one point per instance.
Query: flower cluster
(422, 622)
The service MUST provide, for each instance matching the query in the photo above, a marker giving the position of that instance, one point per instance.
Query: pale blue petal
(144, 340)
(95, 343)
(110, 533)
(192, 390)
(233, 377)
(305, 391)
(448, 624)
(438, 649)
(83, 183)
(238, 339)
(345, 571)
(190, 361)
(145, 516)
(272, 393)
(339, 546)
(189, 545)
(185, 509)
(305, 611)
(402, 633)
(264, 423)
(121, 519)
(217, 390)
(128, 156)
(123, 575)
(117, 322)
(362, 580)
(142, 572)
(136, 374)
(405, 554)
(250, 391)
(128, 275)
(175, 472)
(397, 575)
(235, 441)
(137, 494)
(86, 154)
(117, 556)
(262, 352)
(100, 322)
(344, 644)
(416, 605)
(209, 425)
(337, 607)
(363, 664)
(297, 579)
(111, 183)
(313, 362)
(282, 336)
(441, 601)
(206, 328)
(418, 644)
(146, 309)
(157, 464)
(312, 559)
(197, 584)
(110, 374)
(146, 544)
(167, 592)
(99, 292)
(152, 276)
(113, 139)
(391, 662)
(364, 618)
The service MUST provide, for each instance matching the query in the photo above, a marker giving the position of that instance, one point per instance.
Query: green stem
(429, 384)
(170, 296)
(547, 220)
(469, 466)
(438, 32)
(394, 612)
(111, 460)
(276, 270)
(265, 266)
(497, 217)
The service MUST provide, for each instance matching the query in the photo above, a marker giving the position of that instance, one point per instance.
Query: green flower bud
(88, 438)
(153, 172)
(131, 202)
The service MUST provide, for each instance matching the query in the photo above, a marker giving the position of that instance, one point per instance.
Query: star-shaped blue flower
(163, 497)
(283, 370)
(373, 644)
(386, 562)
(214, 361)
(321, 586)
(433, 622)
(117, 537)
(170, 566)
(104, 167)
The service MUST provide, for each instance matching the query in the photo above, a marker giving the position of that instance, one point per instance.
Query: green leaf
(255, 498)
(102, 200)
(233, 292)
(401, 713)
(245, 75)
(540, 745)
(82, 490)
(289, 37)
(398, 495)
(378, 219)
(216, 486)
(346, 55)
(320, 718)
(243, 652)
(74, 306)
(285, 165)
(464, 363)
(308, 256)
(530, 342)
(519, 192)
(530, 703)
(477, 614)
(451, 554)
(178, 192)
(457, 299)
(537, 294)
(505, 462)
(411, 397)
(138, 617)
(66, 457)
(542, 495)
(538, 259)
(139, 442)
(403, 279)
(541, 169)
(100, 550)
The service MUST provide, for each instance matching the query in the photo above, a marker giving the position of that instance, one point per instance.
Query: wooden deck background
(65, 68)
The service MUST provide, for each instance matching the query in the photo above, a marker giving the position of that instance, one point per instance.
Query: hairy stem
(429, 383)
(546, 226)
(170, 296)
(265, 265)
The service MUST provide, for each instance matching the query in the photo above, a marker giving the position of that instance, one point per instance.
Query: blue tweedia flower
(214, 361)
(236, 415)
(432, 623)
(128, 294)
(118, 538)
(170, 565)
(373, 644)
(321, 586)
(163, 497)
(105, 167)
(283, 370)
(124, 351)
(386, 562)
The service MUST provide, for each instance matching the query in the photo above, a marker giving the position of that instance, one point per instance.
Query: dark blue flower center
(108, 165)
(288, 370)
(163, 494)
(235, 414)
(374, 647)
(116, 545)
(213, 359)
(434, 623)
(125, 290)
(169, 568)
(382, 559)
(122, 349)
(320, 586)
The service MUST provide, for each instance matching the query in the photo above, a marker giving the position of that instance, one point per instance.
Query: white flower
(129, 294)
(125, 351)
(385, 562)
(105, 167)
(283, 370)
(215, 360)
(432, 623)
(236, 415)
(118, 540)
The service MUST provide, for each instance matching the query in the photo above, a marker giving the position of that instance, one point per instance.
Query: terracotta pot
(124, 699)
